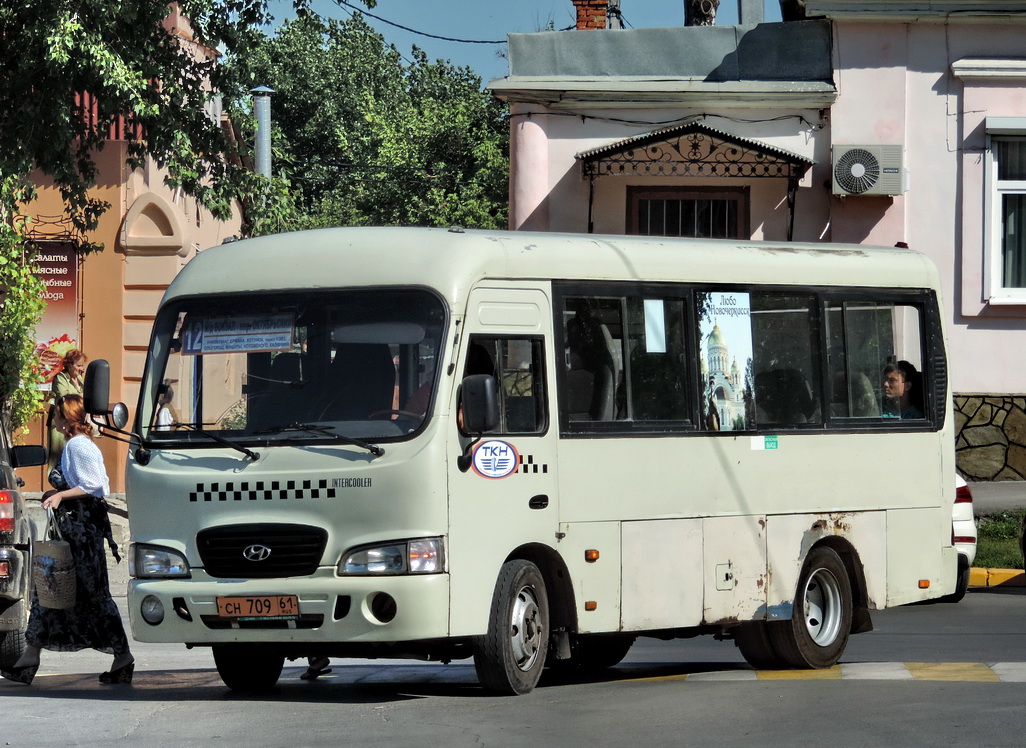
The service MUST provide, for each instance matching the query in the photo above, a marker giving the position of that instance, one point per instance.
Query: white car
(963, 536)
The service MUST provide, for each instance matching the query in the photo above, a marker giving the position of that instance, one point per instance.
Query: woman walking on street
(81, 513)
(69, 381)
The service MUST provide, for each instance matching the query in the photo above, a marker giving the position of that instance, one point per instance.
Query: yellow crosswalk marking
(830, 673)
(966, 672)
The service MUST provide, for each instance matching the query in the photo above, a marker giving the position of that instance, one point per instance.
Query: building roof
(790, 63)
(899, 11)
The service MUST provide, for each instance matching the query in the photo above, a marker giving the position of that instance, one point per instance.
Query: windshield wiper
(314, 428)
(219, 439)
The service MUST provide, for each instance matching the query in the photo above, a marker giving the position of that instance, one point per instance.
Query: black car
(16, 533)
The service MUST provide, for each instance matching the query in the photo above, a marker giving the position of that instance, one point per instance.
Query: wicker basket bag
(53, 569)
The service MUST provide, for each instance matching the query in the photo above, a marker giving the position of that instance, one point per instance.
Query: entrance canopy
(692, 150)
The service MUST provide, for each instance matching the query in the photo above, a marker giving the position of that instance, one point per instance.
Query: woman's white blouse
(82, 466)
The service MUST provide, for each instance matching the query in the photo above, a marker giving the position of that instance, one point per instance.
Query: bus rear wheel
(817, 633)
(248, 668)
(753, 639)
(509, 658)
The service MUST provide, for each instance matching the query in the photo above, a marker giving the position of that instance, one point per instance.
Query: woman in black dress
(94, 622)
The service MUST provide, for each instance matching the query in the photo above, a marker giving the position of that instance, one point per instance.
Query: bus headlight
(156, 562)
(420, 556)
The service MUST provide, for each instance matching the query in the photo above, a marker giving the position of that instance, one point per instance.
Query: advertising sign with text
(57, 332)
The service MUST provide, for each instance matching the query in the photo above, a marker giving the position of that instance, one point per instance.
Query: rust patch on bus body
(834, 524)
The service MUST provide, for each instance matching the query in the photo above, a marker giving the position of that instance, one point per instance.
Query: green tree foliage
(367, 138)
(132, 64)
(21, 309)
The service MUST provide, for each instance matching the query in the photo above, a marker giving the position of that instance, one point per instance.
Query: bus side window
(786, 362)
(655, 339)
(863, 338)
(626, 361)
(517, 364)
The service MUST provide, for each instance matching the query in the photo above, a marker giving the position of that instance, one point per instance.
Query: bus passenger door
(505, 500)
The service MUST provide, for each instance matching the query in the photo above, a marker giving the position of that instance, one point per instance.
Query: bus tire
(248, 668)
(961, 582)
(753, 639)
(817, 633)
(509, 658)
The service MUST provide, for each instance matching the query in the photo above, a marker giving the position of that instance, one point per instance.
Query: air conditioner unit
(869, 169)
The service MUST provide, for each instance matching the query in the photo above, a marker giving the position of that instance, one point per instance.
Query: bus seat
(278, 397)
(579, 384)
(784, 396)
(593, 351)
(362, 382)
(286, 368)
(864, 403)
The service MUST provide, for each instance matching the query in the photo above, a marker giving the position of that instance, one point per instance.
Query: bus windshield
(293, 367)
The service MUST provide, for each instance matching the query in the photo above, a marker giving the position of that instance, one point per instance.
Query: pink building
(877, 122)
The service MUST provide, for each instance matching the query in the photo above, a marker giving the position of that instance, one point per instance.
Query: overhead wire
(350, 6)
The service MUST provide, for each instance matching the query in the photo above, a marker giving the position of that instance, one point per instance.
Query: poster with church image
(725, 325)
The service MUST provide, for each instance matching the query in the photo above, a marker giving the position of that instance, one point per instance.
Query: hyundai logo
(256, 552)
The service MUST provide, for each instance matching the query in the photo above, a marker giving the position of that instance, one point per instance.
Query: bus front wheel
(247, 668)
(510, 657)
(818, 630)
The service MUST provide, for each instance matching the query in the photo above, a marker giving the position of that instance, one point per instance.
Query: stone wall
(990, 436)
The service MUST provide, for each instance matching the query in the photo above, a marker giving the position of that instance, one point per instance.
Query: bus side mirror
(480, 403)
(479, 410)
(96, 395)
(96, 388)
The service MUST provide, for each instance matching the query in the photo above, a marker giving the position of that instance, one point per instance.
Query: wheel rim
(526, 634)
(823, 607)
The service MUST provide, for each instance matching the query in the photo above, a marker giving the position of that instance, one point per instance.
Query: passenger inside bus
(166, 416)
(902, 385)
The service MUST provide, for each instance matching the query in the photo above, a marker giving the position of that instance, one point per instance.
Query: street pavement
(998, 496)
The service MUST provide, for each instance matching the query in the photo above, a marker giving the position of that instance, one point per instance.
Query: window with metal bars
(708, 213)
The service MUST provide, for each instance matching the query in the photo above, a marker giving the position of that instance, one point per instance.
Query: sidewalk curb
(997, 577)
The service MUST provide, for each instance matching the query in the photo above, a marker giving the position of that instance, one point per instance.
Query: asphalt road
(927, 675)
(998, 496)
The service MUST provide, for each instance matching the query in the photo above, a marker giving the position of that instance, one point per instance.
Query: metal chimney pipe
(262, 107)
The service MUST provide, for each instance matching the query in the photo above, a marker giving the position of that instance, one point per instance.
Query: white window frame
(994, 189)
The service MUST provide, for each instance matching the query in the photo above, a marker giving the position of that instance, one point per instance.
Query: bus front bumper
(331, 609)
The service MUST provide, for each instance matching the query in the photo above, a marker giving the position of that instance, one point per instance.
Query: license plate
(281, 607)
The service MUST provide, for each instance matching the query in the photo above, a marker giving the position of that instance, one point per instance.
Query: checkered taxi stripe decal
(293, 489)
(263, 491)
(528, 465)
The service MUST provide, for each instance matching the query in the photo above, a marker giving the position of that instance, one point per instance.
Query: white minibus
(531, 449)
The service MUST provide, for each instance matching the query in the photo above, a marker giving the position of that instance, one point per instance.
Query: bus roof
(452, 261)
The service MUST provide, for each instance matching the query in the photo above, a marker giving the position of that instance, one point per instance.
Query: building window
(1010, 163)
(698, 212)
(1006, 210)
